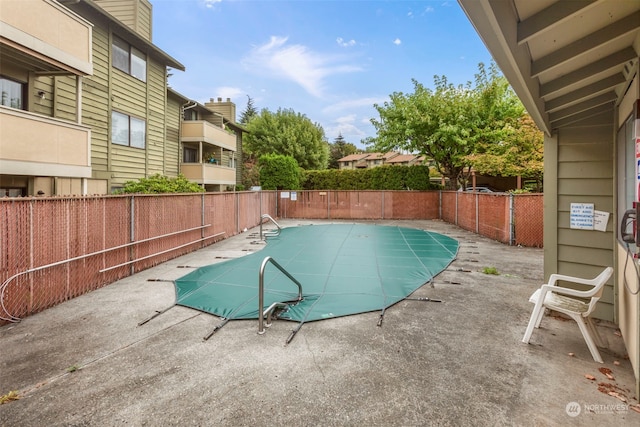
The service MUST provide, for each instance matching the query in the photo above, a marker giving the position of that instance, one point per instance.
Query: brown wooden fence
(53, 249)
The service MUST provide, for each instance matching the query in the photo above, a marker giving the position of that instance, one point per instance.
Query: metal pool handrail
(269, 234)
(261, 312)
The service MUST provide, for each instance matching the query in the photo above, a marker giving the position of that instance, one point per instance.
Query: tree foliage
(288, 133)
(449, 123)
(339, 149)
(278, 172)
(385, 177)
(249, 112)
(157, 184)
(520, 153)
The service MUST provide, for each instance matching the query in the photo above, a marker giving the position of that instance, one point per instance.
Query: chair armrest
(569, 291)
(561, 277)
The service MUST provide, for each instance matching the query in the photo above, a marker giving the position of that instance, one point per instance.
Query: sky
(330, 60)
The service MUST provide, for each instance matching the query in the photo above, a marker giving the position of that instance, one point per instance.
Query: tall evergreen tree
(338, 149)
(249, 112)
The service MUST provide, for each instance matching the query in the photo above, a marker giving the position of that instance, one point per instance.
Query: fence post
(456, 210)
(439, 204)
(237, 206)
(202, 215)
(477, 214)
(512, 225)
(132, 232)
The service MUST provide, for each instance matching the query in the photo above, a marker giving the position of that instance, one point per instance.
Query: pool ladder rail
(267, 314)
(269, 233)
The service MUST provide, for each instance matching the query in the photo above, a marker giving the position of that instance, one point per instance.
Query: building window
(129, 59)
(127, 130)
(628, 168)
(12, 93)
(190, 155)
(190, 114)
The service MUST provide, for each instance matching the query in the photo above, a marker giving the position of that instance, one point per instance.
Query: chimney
(227, 108)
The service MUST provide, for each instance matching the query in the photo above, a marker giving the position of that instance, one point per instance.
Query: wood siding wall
(135, 14)
(111, 89)
(582, 159)
(173, 151)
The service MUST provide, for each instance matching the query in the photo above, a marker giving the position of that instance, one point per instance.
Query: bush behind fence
(53, 249)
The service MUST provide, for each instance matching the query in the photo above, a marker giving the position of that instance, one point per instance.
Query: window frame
(628, 166)
(23, 93)
(131, 141)
(128, 59)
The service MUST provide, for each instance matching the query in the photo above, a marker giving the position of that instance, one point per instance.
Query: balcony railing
(201, 131)
(31, 144)
(204, 173)
(46, 29)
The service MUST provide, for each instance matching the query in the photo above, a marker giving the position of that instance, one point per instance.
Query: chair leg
(594, 333)
(540, 316)
(533, 322)
(587, 337)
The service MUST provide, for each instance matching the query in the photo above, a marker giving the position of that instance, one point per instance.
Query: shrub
(157, 184)
(278, 172)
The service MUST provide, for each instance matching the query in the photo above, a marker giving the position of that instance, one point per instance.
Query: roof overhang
(568, 61)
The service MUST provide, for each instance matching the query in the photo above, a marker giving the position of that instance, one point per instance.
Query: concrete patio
(458, 362)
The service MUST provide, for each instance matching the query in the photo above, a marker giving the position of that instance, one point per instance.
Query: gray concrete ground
(458, 362)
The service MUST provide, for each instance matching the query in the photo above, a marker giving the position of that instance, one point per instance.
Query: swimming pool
(344, 269)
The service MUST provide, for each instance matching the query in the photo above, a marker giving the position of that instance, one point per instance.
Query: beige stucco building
(574, 65)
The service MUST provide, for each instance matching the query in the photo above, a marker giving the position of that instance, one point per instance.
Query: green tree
(157, 184)
(288, 133)
(520, 153)
(249, 112)
(450, 123)
(278, 172)
(339, 149)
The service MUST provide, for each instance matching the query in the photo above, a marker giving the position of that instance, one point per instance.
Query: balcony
(204, 173)
(34, 145)
(201, 131)
(48, 35)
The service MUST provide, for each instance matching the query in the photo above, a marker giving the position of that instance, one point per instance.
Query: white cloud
(210, 3)
(344, 43)
(345, 126)
(297, 63)
(397, 42)
(225, 92)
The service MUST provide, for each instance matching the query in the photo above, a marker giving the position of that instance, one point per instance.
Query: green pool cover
(343, 268)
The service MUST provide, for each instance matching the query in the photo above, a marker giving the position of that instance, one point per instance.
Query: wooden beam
(550, 17)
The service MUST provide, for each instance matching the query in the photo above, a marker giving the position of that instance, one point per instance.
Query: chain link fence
(54, 249)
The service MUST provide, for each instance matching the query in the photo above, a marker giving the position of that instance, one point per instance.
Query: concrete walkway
(457, 362)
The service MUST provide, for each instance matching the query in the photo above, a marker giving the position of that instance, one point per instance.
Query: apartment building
(45, 146)
(372, 160)
(86, 105)
(211, 143)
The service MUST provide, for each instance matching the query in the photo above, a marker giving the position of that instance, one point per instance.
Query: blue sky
(328, 59)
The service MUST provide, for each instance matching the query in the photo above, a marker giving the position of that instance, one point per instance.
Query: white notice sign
(581, 216)
(600, 220)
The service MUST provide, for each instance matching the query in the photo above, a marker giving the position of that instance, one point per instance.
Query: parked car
(482, 188)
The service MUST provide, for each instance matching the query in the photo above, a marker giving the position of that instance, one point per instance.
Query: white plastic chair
(575, 304)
